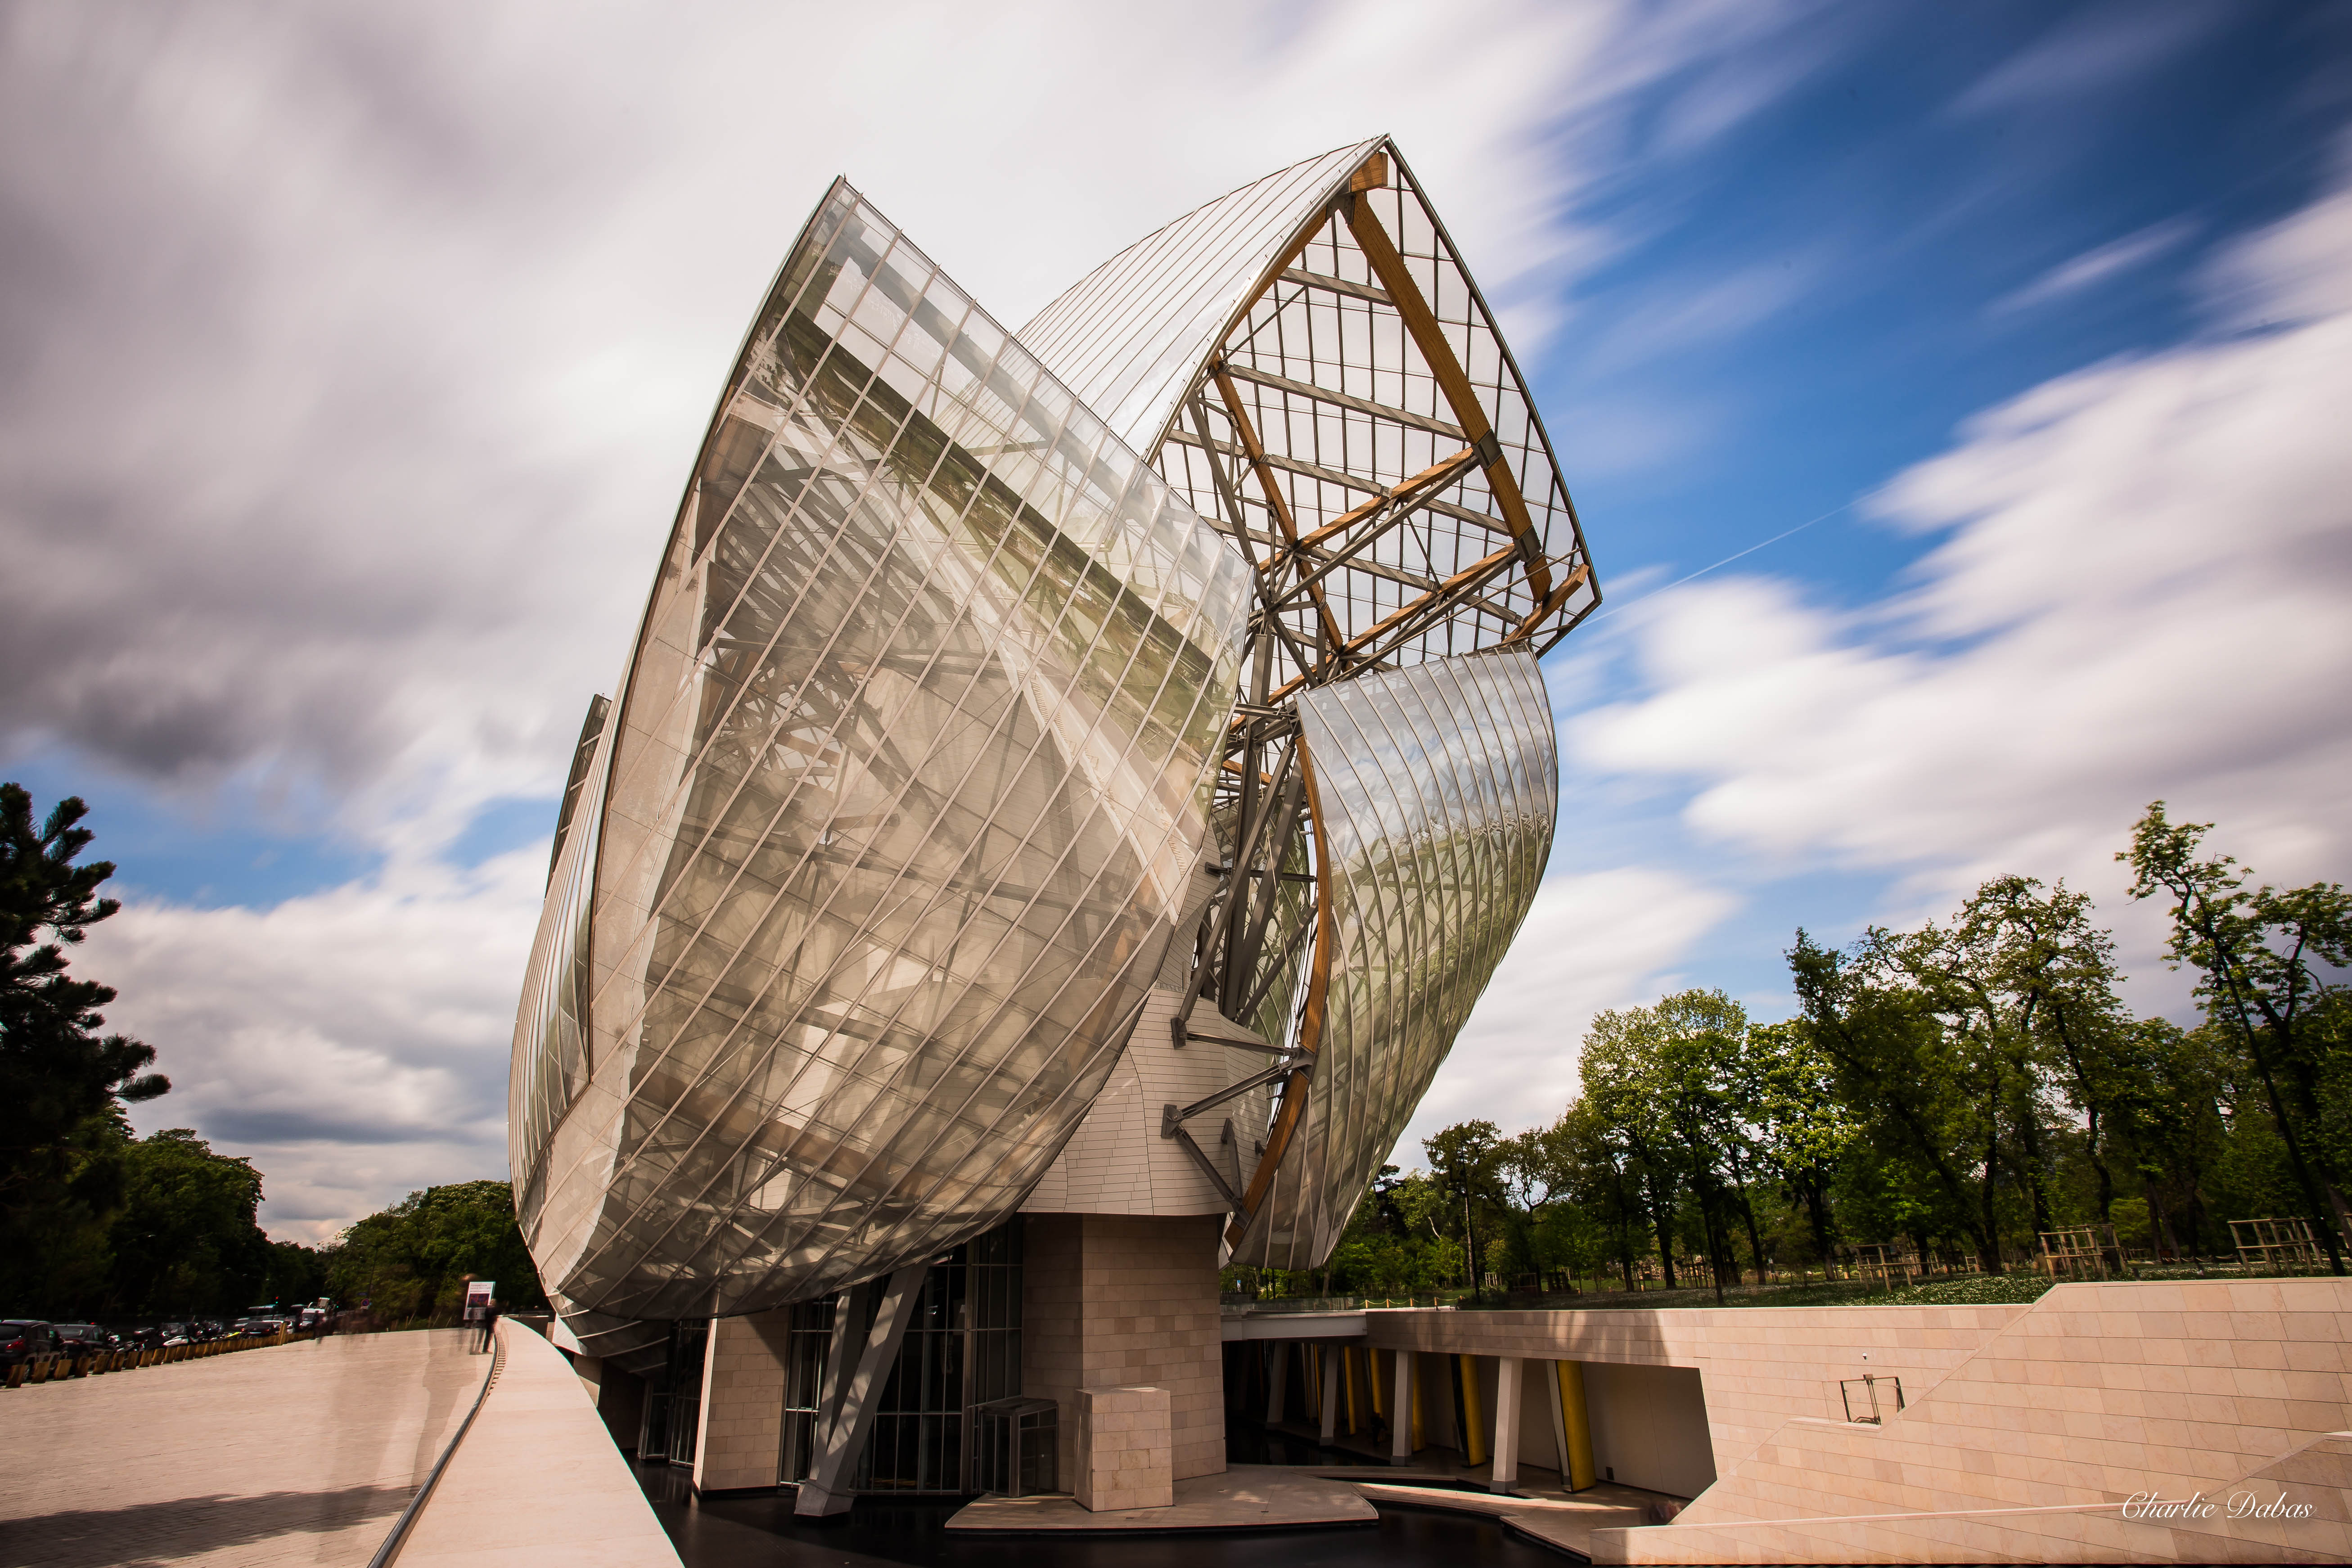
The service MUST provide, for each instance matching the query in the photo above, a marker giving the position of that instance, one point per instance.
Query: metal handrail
(399, 1527)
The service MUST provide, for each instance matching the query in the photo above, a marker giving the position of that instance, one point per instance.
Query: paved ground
(1245, 1497)
(537, 1483)
(300, 1454)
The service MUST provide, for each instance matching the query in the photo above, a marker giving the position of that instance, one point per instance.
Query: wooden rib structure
(1309, 364)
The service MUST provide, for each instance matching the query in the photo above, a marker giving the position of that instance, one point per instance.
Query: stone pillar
(1126, 1448)
(1508, 1375)
(1124, 1301)
(1401, 1418)
(739, 1445)
(1334, 1368)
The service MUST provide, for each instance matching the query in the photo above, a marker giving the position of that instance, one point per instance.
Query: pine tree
(62, 1082)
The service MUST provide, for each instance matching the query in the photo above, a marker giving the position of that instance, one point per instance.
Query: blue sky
(355, 361)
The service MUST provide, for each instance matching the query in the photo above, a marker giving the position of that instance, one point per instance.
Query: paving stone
(299, 1454)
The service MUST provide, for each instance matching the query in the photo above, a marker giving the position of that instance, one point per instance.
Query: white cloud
(1592, 939)
(2139, 592)
(357, 358)
(353, 1042)
(2096, 265)
(2088, 49)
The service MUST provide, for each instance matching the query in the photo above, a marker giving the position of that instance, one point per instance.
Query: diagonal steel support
(847, 1413)
(1200, 1156)
(1291, 1062)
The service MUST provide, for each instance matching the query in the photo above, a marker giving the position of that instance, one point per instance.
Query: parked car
(23, 1339)
(84, 1339)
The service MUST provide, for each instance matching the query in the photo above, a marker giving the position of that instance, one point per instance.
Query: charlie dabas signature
(2196, 1505)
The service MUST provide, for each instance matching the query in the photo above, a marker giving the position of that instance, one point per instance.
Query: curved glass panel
(550, 1055)
(906, 783)
(1129, 337)
(1438, 786)
(1396, 474)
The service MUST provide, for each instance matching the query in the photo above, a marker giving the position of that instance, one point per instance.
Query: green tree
(1467, 1158)
(1802, 1129)
(1602, 1184)
(62, 1082)
(412, 1260)
(1617, 1069)
(1672, 1082)
(186, 1242)
(1920, 1097)
(2259, 956)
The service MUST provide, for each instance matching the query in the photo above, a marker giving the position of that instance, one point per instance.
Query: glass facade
(1309, 363)
(962, 1351)
(1264, 308)
(892, 822)
(1188, 639)
(1131, 336)
(1436, 788)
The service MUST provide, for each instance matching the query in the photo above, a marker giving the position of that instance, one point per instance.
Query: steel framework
(1329, 388)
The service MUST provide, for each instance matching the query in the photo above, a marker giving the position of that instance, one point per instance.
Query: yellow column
(1348, 1383)
(1372, 1376)
(1581, 1473)
(1413, 1407)
(1474, 1419)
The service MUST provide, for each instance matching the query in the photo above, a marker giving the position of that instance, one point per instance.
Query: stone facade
(740, 1439)
(1112, 1301)
(1116, 1163)
(1125, 1449)
(2023, 1432)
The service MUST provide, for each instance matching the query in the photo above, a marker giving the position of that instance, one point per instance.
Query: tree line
(99, 1222)
(1955, 1090)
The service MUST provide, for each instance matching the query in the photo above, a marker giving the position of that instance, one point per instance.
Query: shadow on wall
(1649, 1426)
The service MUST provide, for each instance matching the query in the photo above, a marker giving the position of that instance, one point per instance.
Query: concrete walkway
(1245, 1497)
(297, 1454)
(537, 1481)
(1566, 1521)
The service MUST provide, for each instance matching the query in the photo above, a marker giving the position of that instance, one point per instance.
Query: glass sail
(1435, 787)
(893, 817)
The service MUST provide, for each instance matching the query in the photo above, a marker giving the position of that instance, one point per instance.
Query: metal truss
(1361, 433)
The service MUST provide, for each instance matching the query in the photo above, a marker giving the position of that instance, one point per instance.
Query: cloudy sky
(1956, 399)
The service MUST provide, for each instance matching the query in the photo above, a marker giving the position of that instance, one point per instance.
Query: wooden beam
(1293, 1109)
(1364, 405)
(1435, 476)
(1274, 500)
(1452, 379)
(1347, 481)
(1468, 578)
(1402, 503)
(1336, 286)
(1550, 606)
(1241, 531)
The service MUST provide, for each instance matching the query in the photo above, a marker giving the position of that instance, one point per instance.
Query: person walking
(490, 1323)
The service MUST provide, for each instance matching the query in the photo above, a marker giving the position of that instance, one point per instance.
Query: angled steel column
(848, 1412)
